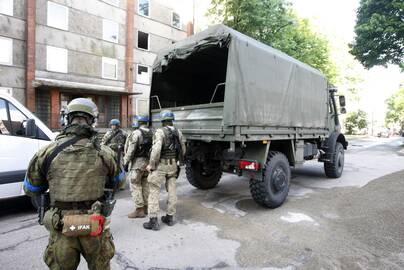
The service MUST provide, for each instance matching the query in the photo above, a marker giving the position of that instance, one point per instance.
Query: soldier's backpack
(174, 144)
(144, 148)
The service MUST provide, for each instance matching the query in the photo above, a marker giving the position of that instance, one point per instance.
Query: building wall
(162, 34)
(13, 76)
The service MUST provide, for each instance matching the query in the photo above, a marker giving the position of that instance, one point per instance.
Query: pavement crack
(28, 225)
(26, 240)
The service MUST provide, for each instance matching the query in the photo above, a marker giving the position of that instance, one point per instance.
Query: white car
(22, 134)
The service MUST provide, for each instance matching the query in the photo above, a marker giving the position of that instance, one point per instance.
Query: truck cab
(22, 134)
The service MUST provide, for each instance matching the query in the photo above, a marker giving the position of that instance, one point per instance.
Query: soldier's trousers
(63, 252)
(167, 174)
(139, 187)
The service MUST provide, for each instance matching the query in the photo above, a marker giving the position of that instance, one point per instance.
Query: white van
(22, 134)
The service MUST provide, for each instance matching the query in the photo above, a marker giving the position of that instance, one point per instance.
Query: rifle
(43, 206)
(112, 186)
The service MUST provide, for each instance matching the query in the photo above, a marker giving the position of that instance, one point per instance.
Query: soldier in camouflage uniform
(136, 159)
(75, 168)
(115, 139)
(168, 147)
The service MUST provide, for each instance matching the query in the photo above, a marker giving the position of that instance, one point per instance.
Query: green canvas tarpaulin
(264, 87)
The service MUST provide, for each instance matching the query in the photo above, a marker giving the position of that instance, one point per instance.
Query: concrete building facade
(52, 51)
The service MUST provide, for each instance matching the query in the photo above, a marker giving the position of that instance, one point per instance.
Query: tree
(355, 121)
(395, 109)
(273, 22)
(379, 33)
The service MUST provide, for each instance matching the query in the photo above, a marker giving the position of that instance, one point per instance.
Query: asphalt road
(355, 222)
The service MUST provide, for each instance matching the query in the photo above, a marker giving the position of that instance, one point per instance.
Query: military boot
(169, 220)
(138, 213)
(153, 224)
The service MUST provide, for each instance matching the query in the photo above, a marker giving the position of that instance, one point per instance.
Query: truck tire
(203, 179)
(334, 169)
(272, 191)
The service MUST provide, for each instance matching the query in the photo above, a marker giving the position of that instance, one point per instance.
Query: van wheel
(334, 169)
(203, 177)
(272, 191)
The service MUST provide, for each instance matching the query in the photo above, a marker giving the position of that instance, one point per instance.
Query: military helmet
(115, 122)
(82, 106)
(144, 118)
(166, 115)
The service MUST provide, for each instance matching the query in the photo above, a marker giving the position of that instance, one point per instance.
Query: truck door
(16, 150)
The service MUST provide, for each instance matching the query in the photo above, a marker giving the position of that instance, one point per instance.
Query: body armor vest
(143, 149)
(169, 150)
(77, 174)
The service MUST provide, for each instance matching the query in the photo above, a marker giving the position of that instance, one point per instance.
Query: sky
(335, 20)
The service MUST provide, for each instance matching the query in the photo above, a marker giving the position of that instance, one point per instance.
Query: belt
(168, 161)
(74, 205)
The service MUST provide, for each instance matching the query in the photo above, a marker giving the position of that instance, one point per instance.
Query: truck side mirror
(342, 101)
(342, 110)
(30, 129)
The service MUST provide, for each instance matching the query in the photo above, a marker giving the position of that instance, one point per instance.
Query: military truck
(247, 109)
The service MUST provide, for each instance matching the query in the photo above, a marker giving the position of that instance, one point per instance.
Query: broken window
(142, 74)
(110, 30)
(143, 7)
(176, 20)
(143, 40)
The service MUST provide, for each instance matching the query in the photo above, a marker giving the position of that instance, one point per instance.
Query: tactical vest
(169, 149)
(77, 174)
(143, 149)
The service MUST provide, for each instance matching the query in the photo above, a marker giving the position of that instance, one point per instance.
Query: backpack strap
(48, 160)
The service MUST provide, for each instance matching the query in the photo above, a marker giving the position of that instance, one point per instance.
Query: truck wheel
(274, 188)
(203, 178)
(334, 169)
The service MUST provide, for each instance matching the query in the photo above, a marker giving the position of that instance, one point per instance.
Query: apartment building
(52, 51)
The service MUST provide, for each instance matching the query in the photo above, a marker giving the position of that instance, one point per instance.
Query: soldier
(168, 149)
(136, 159)
(75, 168)
(115, 139)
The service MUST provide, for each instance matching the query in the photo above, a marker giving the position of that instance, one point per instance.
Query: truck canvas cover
(263, 86)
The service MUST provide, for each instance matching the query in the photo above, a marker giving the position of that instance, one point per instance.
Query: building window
(112, 2)
(109, 68)
(110, 30)
(7, 7)
(56, 59)
(58, 16)
(143, 7)
(6, 51)
(142, 40)
(176, 20)
(142, 74)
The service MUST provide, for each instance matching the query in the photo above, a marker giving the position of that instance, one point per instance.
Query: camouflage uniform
(76, 176)
(164, 170)
(137, 162)
(116, 140)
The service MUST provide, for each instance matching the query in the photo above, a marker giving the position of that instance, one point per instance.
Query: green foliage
(379, 33)
(272, 22)
(355, 121)
(395, 108)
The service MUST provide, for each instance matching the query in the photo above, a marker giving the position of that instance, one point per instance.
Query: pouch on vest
(83, 225)
(51, 220)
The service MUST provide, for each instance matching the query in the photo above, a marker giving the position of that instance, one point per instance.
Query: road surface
(355, 222)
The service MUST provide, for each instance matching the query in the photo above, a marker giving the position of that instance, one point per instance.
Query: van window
(18, 120)
(4, 122)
